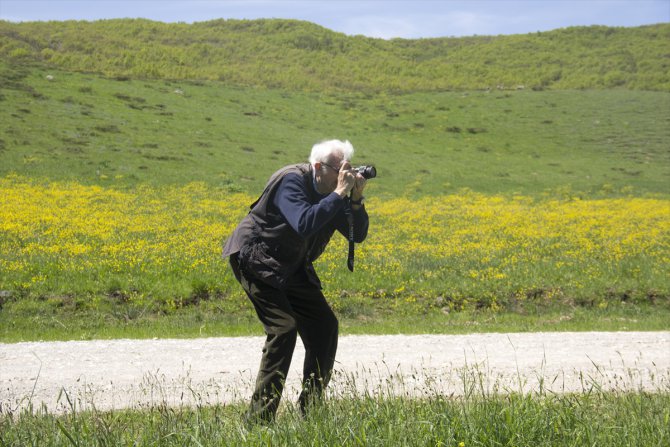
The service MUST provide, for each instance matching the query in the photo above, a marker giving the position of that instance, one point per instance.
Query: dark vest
(265, 244)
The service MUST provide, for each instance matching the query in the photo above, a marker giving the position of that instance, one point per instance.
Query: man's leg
(318, 329)
(274, 311)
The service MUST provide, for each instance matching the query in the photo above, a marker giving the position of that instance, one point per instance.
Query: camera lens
(367, 171)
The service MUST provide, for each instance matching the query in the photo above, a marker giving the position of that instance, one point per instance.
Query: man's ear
(317, 166)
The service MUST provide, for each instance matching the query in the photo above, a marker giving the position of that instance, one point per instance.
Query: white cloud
(381, 27)
(464, 23)
(421, 25)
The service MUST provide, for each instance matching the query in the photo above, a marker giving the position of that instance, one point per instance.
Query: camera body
(367, 172)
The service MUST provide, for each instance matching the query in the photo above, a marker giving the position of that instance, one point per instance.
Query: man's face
(327, 174)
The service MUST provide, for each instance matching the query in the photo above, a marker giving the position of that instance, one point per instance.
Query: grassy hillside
(296, 55)
(125, 133)
(117, 187)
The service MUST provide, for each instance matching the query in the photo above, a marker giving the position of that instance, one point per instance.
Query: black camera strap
(350, 220)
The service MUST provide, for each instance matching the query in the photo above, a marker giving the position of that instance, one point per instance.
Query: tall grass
(109, 257)
(477, 415)
(161, 248)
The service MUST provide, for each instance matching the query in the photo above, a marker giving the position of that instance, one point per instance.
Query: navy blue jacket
(307, 218)
(289, 226)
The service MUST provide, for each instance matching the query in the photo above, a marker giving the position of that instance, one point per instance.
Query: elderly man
(271, 253)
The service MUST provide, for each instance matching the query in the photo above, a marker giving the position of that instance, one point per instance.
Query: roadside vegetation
(479, 414)
(131, 255)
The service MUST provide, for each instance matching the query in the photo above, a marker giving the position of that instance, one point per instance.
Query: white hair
(322, 151)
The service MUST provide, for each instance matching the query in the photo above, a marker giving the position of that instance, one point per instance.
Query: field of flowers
(162, 245)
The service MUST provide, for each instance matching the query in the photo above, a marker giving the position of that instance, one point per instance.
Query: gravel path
(112, 374)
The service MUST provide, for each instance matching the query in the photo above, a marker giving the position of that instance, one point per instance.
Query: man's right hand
(346, 180)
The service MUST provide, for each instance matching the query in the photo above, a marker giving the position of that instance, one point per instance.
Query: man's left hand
(359, 186)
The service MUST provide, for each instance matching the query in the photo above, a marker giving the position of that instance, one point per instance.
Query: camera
(367, 171)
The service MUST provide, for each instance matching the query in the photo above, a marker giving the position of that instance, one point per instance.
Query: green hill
(136, 101)
(298, 55)
(86, 128)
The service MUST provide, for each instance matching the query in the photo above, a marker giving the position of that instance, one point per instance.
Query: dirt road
(135, 373)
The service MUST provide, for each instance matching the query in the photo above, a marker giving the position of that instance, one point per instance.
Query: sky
(373, 18)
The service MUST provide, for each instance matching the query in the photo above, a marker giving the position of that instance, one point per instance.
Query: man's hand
(359, 186)
(346, 180)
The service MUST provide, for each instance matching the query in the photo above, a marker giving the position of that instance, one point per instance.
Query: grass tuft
(387, 413)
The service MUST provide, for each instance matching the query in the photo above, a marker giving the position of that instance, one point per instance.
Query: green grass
(32, 321)
(477, 415)
(127, 133)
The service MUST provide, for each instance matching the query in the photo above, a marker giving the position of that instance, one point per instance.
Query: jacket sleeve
(305, 218)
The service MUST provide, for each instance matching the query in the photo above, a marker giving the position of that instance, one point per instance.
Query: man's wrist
(341, 192)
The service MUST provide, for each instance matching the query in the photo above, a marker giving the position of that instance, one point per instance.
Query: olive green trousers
(298, 309)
